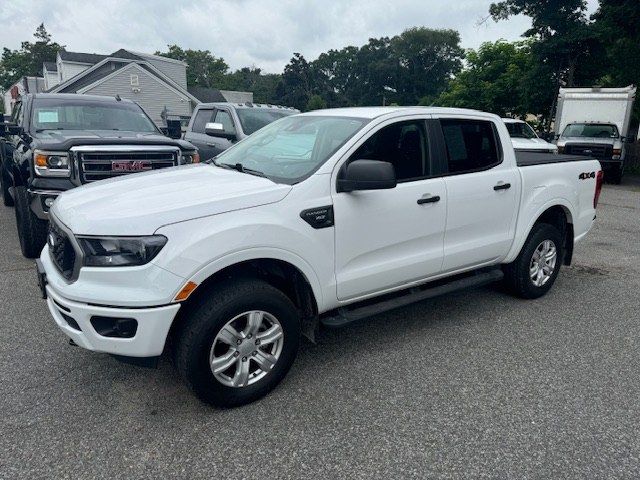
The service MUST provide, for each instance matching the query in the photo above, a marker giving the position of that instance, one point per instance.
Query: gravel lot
(471, 385)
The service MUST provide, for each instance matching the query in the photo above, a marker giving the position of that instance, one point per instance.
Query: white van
(595, 122)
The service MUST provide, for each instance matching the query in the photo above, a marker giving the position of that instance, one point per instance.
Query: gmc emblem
(130, 165)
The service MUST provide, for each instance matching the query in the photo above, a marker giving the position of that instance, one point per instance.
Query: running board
(346, 315)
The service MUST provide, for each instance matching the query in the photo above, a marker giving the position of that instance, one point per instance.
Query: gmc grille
(61, 250)
(589, 150)
(98, 165)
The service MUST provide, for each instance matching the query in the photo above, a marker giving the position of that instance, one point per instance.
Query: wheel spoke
(254, 321)
(229, 335)
(220, 364)
(271, 335)
(242, 374)
(265, 360)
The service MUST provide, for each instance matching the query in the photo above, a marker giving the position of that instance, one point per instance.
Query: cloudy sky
(263, 33)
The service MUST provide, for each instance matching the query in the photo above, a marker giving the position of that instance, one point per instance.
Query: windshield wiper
(238, 167)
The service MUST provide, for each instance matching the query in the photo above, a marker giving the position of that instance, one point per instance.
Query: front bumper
(153, 326)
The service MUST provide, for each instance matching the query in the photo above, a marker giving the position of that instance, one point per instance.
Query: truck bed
(527, 159)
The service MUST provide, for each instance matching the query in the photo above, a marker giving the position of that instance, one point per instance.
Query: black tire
(203, 322)
(615, 175)
(7, 200)
(517, 277)
(32, 231)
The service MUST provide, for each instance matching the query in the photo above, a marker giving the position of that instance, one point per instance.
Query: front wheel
(534, 271)
(32, 231)
(4, 187)
(238, 343)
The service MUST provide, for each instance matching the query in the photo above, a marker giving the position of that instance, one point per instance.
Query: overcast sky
(264, 33)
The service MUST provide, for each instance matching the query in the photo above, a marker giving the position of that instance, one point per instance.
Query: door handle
(433, 199)
(502, 186)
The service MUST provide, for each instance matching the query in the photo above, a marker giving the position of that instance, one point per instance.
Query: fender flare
(521, 237)
(260, 253)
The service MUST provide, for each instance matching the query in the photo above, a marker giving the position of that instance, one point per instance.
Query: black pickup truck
(55, 142)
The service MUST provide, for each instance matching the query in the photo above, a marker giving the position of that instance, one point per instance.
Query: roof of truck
(374, 112)
(79, 98)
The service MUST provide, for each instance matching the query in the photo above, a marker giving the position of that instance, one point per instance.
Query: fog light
(115, 327)
(49, 201)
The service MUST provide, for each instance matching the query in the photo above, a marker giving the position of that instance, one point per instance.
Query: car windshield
(292, 148)
(81, 114)
(593, 130)
(520, 130)
(253, 119)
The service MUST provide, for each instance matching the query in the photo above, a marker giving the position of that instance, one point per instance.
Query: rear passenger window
(404, 144)
(202, 118)
(471, 145)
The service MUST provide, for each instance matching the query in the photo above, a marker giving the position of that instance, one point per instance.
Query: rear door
(482, 193)
(386, 239)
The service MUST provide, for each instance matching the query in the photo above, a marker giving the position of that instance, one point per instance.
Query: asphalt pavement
(471, 385)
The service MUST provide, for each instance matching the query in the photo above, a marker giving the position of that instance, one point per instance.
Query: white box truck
(595, 122)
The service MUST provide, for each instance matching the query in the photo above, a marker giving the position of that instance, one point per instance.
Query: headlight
(190, 157)
(51, 164)
(120, 251)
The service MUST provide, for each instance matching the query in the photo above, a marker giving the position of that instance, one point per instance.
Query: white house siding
(50, 79)
(153, 95)
(175, 71)
(70, 70)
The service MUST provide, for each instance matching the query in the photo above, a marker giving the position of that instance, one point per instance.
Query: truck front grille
(61, 250)
(589, 150)
(98, 165)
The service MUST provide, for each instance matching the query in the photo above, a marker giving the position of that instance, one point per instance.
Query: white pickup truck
(320, 218)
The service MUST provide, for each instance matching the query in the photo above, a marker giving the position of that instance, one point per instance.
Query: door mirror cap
(366, 175)
(215, 129)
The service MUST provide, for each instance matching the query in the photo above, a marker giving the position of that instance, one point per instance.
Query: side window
(471, 145)
(404, 144)
(224, 117)
(202, 117)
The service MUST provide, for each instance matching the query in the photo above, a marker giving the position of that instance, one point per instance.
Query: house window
(135, 81)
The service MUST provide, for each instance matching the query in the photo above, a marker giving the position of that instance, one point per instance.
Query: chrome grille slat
(98, 165)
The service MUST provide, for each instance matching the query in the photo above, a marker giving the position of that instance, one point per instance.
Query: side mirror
(214, 129)
(629, 139)
(13, 129)
(366, 175)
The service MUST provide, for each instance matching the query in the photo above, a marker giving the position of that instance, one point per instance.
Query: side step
(346, 315)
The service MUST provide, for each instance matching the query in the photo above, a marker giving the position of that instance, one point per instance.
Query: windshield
(292, 148)
(520, 130)
(80, 114)
(594, 130)
(253, 120)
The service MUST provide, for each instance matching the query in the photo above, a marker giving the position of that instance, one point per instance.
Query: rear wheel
(239, 343)
(32, 231)
(615, 175)
(534, 271)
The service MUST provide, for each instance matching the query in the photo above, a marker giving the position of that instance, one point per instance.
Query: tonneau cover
(527, 159)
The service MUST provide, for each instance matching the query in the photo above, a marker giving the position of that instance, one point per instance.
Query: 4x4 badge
(586, 175)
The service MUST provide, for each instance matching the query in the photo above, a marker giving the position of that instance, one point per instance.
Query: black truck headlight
(190, 157)
(120, 251)
(51, 164)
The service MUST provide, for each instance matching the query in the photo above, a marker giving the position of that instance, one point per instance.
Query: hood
(141, 203)
(65, 139)
(589, 140)
(532, 144)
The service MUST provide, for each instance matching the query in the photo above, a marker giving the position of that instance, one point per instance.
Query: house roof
(78, 57)
(51, 66)
(207, 95)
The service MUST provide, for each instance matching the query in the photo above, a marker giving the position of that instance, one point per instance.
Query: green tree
(295, 86)
(565, 40)
(203, 68)
(28, 60)
(316, 102)
(502, 78)
(251, 79)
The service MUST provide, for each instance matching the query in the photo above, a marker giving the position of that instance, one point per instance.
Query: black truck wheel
(238, 342)
(32, 231)
(615, 175)
(7, 200)
(535, 269)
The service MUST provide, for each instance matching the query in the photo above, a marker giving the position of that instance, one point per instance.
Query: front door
(389, 238)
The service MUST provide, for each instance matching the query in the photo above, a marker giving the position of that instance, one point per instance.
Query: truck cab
(214, 127)
(57, 142)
